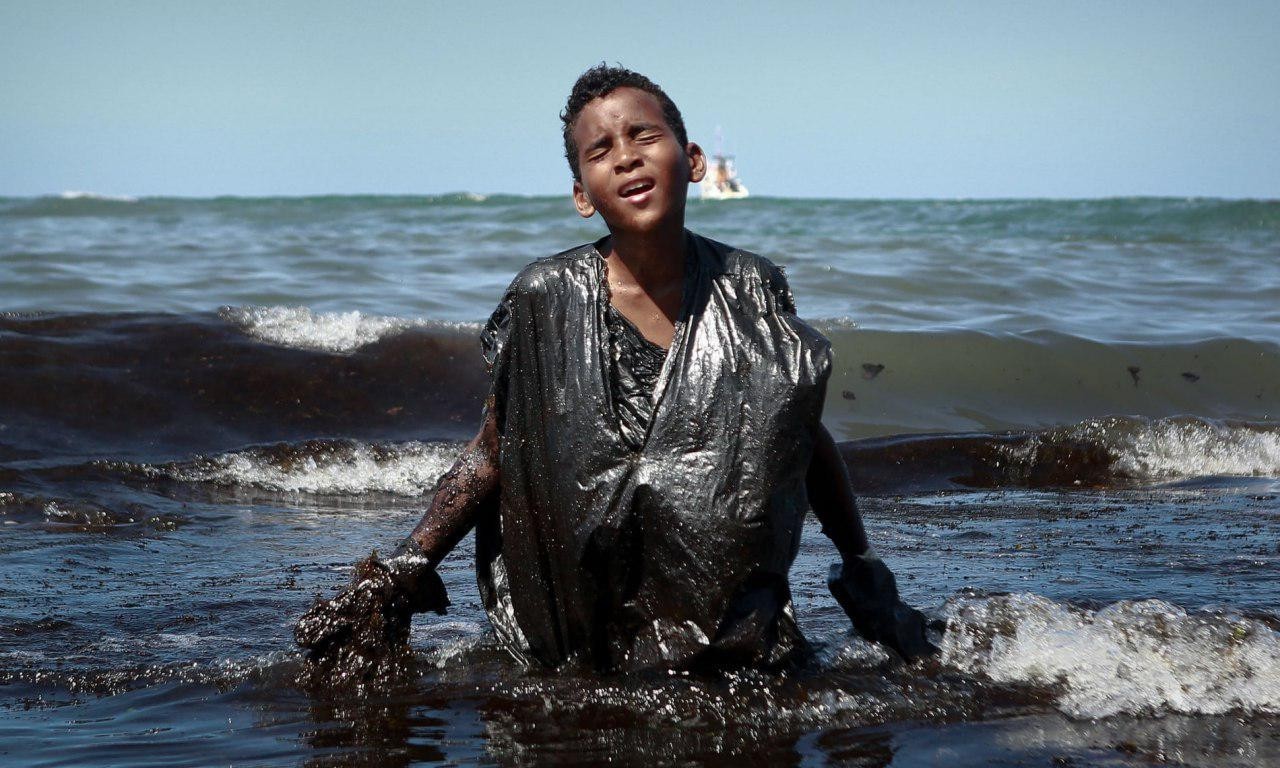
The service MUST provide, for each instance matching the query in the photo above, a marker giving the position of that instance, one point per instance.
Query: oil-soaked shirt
(636, 366)
(670, 551)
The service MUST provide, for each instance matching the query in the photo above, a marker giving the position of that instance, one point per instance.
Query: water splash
(1131, 657)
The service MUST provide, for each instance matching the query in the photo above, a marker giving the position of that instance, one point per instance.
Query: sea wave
(887, 383)
(324, 467)
(1101, 454)
(301, 328)
(78, 515)
(958, 408)
(130, 386)
(1114, 452)
(1163, 449)
(76, 194)
(1094, 453)
(1132, 657)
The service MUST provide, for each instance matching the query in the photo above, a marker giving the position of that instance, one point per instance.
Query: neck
(652, 258)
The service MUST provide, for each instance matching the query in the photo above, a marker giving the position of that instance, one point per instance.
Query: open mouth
(637, 187)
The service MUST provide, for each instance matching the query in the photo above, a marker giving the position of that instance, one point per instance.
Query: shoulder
(550, 272)
(743, 263)
(745, 266)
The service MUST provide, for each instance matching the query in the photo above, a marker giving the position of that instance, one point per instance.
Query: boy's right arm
(459, 495)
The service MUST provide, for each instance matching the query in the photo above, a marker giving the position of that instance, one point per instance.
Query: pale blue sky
(927, 99)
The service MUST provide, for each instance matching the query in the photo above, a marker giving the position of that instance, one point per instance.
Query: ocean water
(1062, 419)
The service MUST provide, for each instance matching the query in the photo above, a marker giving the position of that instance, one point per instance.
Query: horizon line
(71, 195)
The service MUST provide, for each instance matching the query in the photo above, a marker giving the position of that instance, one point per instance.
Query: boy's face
(634, 171)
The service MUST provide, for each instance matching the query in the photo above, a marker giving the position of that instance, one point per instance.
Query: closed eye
(645, 132)
(597, 150)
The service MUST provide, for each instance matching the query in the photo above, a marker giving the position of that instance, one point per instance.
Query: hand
(416, 579)
(372, 615)
(866, 590)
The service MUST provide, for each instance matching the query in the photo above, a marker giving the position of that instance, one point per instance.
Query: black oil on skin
(359, 637)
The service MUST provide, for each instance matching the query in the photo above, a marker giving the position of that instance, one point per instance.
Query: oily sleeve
(494, 349)
(776, 282)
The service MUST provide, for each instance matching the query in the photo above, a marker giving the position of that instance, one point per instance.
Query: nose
(628, 158)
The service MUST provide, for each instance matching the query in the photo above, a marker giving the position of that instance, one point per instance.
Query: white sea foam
(1130, 657)
(1166, 449)
(75, 194)
(1170, 448)
(301, 328)
(405, 469)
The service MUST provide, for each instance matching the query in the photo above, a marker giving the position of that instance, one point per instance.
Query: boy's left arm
(862, 584)
(831, 496)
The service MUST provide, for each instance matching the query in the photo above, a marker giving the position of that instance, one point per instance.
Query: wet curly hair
(601, 80)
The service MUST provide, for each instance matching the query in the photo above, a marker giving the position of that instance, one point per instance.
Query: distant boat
(721, 181)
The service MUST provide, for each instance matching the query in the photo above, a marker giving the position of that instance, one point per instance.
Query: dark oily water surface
(161, 386)
(1153, 609)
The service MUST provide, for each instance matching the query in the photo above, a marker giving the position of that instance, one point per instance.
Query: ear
(697, 162)
(586, 208)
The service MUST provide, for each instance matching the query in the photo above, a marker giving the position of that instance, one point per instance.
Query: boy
(651, 443)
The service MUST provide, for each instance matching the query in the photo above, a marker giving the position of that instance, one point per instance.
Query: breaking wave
(929, 410)
(1131, 657)
(1104, 453)
(1098, 453)
(325, 467)
(301, 328)
(1095, 453)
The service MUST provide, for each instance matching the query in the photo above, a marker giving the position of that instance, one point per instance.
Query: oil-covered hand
(417, 582)
(866, 590)
(372, 615)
